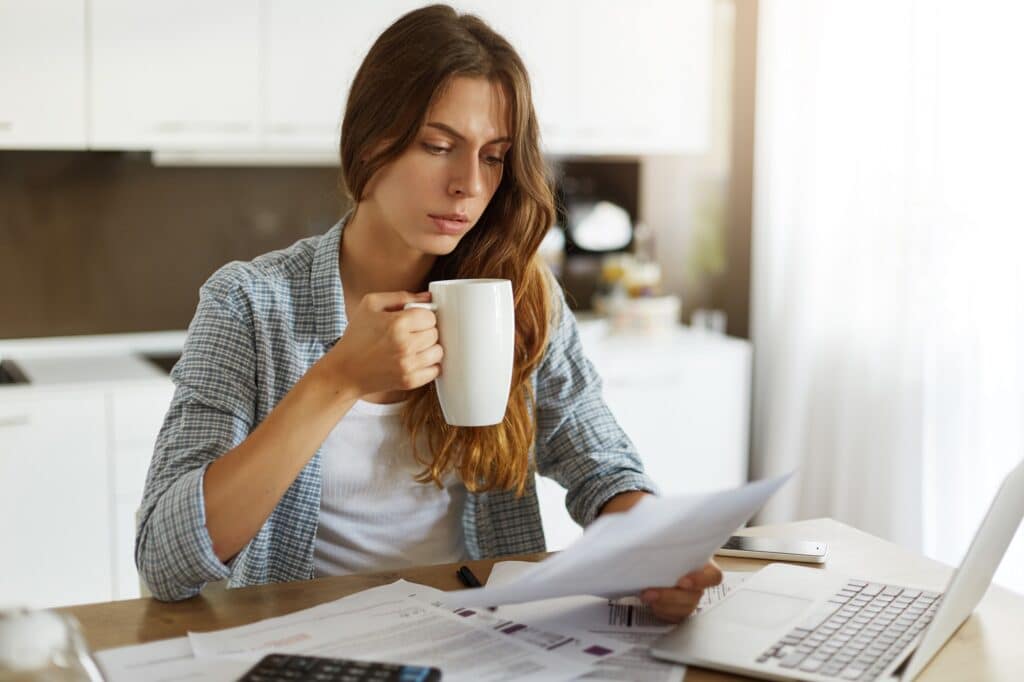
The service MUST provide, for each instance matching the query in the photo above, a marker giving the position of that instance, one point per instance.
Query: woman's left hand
(672, 604)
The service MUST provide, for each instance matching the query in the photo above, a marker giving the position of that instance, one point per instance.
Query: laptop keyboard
(857, 634)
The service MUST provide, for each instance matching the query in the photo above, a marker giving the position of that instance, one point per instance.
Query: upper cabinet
(611, 78)
(310, 59)
(644, 77)
(273, 75)
(176, 75)
(42, 74)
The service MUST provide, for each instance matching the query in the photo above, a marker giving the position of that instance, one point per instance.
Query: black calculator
(296, 668)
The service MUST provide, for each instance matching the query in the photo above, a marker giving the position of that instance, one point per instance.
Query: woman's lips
(450, 226)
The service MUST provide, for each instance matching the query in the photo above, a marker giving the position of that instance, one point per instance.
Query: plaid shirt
(259, 326)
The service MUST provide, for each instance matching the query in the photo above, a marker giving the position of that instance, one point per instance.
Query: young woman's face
(435, 191)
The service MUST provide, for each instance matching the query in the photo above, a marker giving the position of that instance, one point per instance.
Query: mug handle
(426, 306)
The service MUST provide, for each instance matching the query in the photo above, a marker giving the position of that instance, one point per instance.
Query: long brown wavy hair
(405, 71)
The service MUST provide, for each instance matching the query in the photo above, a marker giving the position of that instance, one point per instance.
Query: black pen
(467, 578)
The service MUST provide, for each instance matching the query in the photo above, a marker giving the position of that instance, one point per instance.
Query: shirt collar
(325, 282)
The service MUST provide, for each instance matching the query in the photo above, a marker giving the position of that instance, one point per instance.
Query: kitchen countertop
(77, 369)
(54, 361)
(58, 361)
(99, 344)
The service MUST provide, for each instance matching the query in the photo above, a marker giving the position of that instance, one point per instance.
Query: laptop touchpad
(761, 609)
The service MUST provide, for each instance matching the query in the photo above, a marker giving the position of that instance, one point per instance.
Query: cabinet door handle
(302, 129)
(14, 420)
(209, 127)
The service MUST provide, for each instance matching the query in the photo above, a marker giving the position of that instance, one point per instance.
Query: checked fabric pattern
(259, 326)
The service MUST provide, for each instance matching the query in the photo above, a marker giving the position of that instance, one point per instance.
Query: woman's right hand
(385, 348)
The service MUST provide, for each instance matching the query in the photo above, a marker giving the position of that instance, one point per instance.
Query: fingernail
(649, 596)
(686, 583)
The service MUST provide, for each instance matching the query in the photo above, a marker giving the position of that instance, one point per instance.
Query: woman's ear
(371, 184)
(374, 152)
(371, 154)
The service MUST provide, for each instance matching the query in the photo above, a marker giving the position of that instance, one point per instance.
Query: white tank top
(373, 515)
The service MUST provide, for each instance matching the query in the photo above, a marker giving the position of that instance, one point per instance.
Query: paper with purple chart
(625, 620)
(651, 545)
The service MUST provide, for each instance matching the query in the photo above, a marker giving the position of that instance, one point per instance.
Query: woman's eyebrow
(456, 134)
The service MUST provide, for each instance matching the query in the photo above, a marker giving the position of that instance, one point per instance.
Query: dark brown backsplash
(105, 242)
(97, 243)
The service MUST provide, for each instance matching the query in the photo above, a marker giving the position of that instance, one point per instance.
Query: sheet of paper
(626, 620)
(392, 623)
(169, 660)
(576, 644)
(579, 645)
(654, 543)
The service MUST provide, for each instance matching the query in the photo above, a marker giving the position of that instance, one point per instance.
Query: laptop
(796, 623)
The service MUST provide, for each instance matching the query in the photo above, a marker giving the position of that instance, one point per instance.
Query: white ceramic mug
(476, 326)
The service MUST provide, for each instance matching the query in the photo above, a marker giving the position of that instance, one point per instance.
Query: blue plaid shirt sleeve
(580, 445)
(212, 411)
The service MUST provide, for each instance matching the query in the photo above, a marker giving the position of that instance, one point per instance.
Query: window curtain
(888, 251)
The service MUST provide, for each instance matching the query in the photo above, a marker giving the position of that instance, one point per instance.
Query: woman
(305, 438)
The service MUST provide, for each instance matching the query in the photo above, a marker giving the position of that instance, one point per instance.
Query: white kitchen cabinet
(312, 52)
(75, 447)
(644, 76)
(180, 75)
(606, 79)
(42, 74)
(55, 513)
(684, 401)
(610, 78)
(244, 76)
(136, 414)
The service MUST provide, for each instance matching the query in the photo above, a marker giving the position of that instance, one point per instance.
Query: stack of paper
(625, 620)
(400, 623)
(558, 638)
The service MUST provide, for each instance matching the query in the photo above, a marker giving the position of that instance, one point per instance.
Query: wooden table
(989, 646)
